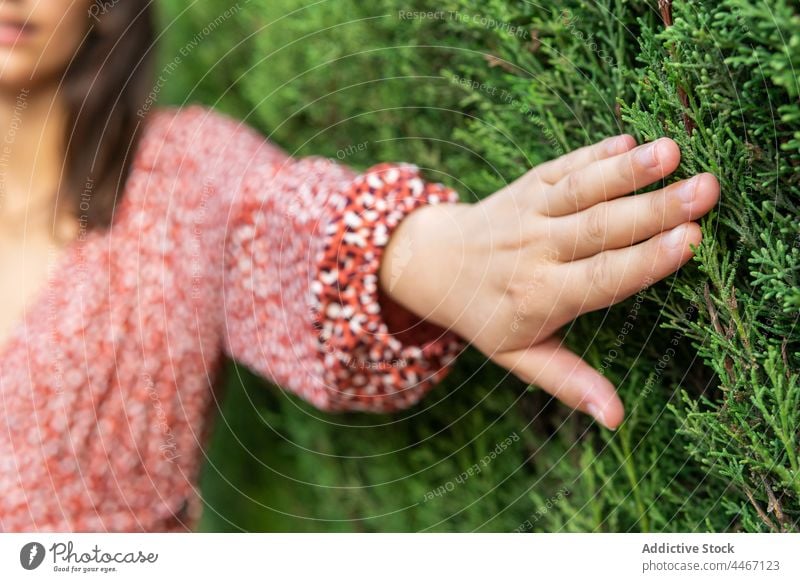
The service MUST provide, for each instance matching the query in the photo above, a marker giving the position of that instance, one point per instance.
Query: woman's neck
(32, 126)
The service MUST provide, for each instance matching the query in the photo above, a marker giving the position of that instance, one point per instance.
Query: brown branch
(665, 7)
(764, 517)
(785, 358)
(774, 505)
(733, 306)
(712, 312)
(498, 62)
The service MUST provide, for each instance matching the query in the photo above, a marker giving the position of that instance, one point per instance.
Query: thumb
(565, 375)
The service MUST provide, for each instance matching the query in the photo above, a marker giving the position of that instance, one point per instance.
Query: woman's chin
(15, 74)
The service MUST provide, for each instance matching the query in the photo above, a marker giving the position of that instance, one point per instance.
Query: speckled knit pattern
(222, 245)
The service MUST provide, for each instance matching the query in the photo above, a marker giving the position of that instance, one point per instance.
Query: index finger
(552, 171)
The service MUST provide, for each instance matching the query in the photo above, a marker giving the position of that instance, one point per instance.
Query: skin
(37, 41)
(564, 239)
(53, 30)
(506, 273)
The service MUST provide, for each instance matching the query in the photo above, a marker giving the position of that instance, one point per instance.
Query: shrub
(477, 92)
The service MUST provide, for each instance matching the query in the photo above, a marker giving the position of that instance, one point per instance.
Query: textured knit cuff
(365, 366)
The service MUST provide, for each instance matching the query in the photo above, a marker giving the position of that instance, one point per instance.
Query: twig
(712, 312)
(764, 517)
(665, 7)
(774, 505)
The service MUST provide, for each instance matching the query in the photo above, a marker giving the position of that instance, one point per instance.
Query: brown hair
(105, 87)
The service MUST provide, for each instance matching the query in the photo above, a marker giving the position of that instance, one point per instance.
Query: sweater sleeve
(303, 241)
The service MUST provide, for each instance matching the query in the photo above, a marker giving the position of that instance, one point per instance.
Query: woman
(141, 249)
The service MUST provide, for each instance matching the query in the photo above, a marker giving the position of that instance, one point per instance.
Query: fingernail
(646, 155)
(676, 238)
(686, 191)
(597, 414)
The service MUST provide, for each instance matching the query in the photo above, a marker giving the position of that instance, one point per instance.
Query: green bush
(475, 93)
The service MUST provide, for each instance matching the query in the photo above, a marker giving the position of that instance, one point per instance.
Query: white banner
(400, 557)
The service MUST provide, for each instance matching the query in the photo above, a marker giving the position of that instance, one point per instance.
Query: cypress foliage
(476, 92)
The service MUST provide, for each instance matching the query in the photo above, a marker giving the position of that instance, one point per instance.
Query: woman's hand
(562, 240)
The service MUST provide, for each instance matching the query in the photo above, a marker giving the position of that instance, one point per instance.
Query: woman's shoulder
(171, 131)
(172, 119)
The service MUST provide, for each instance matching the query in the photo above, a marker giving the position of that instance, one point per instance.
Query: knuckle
(594, 229)
(567, 164)
(600, 275)
(626, 173)
(533, 177)
(573, 184)
(656, 209)
(569, 191)
(524, 290)
(518, 296)
(530, 236)
(551, 254)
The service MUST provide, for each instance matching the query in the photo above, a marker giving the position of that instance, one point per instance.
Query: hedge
(475, 92)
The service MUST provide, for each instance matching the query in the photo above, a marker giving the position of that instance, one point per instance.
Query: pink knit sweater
(221, 245)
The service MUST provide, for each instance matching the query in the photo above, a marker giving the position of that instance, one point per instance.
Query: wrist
(420, 261)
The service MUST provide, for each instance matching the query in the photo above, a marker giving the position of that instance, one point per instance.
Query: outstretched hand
(562, 240)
